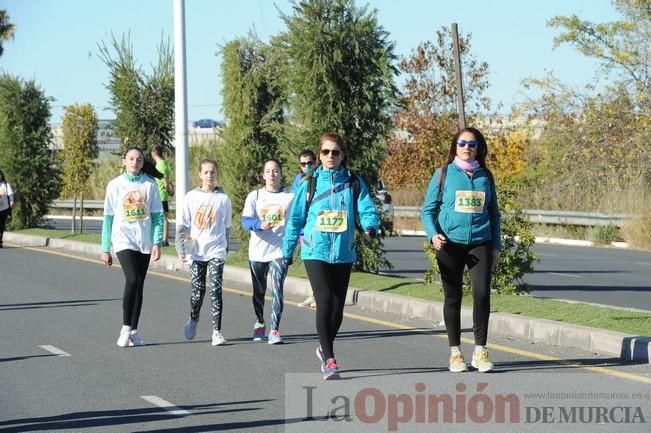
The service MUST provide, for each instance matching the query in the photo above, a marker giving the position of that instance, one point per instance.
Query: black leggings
(134, 265)
(3, 219)
(329, 285)
(452, 259)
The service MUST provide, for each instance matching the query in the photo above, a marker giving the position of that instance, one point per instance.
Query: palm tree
(6, 29)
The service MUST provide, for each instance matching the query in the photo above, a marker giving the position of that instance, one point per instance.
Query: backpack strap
(311, 188)
(352, 183)
(441, 183)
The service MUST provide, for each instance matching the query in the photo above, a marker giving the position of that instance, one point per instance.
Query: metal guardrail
(535, 215)
(546, 216)
(88, 204)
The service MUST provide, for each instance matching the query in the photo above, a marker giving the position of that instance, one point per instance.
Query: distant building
(110, 143)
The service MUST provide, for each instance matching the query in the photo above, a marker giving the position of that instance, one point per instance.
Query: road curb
(627, 347)
(538, 240)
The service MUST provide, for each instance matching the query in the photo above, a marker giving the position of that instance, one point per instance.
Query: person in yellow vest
(164, 187)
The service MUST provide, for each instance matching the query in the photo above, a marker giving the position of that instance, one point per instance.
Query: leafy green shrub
(27, 162)
(604, 235)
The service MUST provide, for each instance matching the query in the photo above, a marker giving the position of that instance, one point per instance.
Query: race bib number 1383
(469, 201)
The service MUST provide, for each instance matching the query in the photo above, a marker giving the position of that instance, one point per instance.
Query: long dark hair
(147, 167)
(482, 148)
(2, 177)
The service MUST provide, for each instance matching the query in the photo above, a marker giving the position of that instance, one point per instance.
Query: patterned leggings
(259, 272)
(215, 270)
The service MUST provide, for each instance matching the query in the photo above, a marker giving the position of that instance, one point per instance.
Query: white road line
(165, 405)
(55, 350)
(564, 275)
(643, 263)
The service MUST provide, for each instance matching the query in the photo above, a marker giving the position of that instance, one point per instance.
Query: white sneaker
(123, 339)
(217, 338)
(307, 302)
(190, 329)
(135, 339)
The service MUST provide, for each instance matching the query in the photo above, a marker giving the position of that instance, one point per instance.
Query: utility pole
(457, 68)
(180, 103)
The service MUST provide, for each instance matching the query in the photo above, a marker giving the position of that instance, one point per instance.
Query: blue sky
(56, 41)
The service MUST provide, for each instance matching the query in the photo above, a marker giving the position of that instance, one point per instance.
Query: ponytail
(149, 169)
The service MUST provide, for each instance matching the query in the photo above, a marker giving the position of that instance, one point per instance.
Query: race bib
(334, 221)
(274, 214)
(469, 201)
(135, 206)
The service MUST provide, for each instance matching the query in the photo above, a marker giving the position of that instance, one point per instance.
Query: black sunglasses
(471, 143)
(334, 152)
(304, 164)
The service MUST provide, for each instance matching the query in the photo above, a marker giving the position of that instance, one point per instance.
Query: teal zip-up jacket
(468, 213)
(332, 193)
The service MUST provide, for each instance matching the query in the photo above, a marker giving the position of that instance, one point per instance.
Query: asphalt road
(608, 276)
(605, 276)
(61, 370)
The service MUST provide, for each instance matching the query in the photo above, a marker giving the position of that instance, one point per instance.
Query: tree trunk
(74, 213)
(81, 215)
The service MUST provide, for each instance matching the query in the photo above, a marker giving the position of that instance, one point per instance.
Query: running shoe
(274, 337)
(217, 338)
(307, 302)
(330, 370)
(258, 331)
(123, 339)
(135, 339)
(481, 361)
(190, 329)
(457, 363)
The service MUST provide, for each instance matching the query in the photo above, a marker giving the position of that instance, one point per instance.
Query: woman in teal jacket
(462, 221)
(328, 251)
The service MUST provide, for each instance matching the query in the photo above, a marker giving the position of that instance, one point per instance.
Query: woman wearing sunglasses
(462, 221)
(328, 249)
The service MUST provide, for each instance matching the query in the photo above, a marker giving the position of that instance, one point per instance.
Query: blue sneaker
(331, 371)
(274, 337)
(258, 331)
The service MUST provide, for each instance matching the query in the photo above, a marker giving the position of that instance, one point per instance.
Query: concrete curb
(538, 240)
(626, 347)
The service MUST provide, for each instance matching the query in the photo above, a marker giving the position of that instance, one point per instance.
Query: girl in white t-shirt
(133, 223)
(202, 233)
(6, 203)
(264, 215)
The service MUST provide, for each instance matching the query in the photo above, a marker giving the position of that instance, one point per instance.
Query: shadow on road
(54, 304)
(77, 421)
